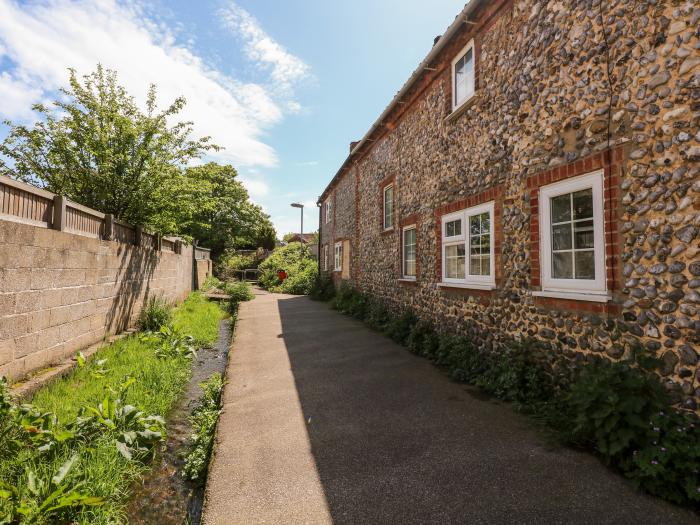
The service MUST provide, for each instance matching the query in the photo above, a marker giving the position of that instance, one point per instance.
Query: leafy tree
(96, 147)
(233, 221)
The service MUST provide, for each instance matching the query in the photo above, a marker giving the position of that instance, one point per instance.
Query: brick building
(538, 176)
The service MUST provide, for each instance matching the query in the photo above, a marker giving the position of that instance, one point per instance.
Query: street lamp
(301, 233)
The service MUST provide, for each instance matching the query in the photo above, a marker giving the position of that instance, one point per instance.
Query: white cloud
(256, 188)
(17, 97)
(43, 39)
(285, 68)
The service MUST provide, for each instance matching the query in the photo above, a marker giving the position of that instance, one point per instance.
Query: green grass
(199, 318)
(159, 382)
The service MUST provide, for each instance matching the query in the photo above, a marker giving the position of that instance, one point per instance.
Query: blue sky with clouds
(283, 86)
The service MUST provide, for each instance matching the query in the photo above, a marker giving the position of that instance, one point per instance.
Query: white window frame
(328, 208)
(338, 256)
(487, 281)
(404, 275)
(325, 257)
(384, 203)
(470, 94)
(598, 285)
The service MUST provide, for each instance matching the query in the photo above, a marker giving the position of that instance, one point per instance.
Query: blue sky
(283, 86)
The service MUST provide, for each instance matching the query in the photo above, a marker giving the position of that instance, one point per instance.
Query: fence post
(159, 242)
(108, 234)
(59, 213)
(138, 237)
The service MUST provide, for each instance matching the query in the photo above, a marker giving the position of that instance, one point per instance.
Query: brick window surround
(409, 220)
(610, 161)
(493, 194)
(383, 184)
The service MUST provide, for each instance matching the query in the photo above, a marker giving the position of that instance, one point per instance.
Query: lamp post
(301, 233)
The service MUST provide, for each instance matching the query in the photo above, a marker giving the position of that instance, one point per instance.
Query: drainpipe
(194, 264)
(320, 237)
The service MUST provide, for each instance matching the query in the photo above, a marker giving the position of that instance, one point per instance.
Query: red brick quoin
(493, 194)
(611, 162)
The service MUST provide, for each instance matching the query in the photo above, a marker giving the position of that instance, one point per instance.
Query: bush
(399, 328)
(301, 269)
(239, 291)
(423, 340)
(323, 288)
(156, 313)
(231, 264)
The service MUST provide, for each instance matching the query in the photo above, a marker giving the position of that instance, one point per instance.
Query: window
(338, 257)
(409, 252)
(325, 257)
(328, 211)
(468, 246)
(389, 207)
(463, 76)
(571, 229)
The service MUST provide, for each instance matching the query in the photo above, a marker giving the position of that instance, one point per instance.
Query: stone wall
(60, 292)
(560, 91)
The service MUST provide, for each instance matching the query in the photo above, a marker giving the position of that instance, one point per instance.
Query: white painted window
(571, 235)
(409, 252)
(463, 76)
(325, 257)
(338, 257)
(328, 210)
(388, 207)
(468, 246)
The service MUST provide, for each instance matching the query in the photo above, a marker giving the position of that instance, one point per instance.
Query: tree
(98, 148)
(233, 221)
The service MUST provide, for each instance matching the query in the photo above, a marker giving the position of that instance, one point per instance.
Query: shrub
(211, 283)
(301, 269)
(239, 291)
(323, 288)
(514, 373)
(399, 328)
(231, 264)
(156, 313)
(423, 340)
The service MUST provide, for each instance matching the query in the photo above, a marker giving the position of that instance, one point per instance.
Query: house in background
(538, 176)
(310, 239)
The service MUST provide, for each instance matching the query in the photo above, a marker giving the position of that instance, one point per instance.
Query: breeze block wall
(60, 292)
(560, 91)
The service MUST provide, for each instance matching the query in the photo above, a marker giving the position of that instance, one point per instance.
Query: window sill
(387, 231)
(408, 280)
(456, 112)
(468, 286)
(575, 296)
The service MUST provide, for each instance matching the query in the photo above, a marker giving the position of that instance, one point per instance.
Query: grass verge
(81, 467)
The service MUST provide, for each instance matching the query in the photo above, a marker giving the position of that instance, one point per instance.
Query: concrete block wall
(60, 292)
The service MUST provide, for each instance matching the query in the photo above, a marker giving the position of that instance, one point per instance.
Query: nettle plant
(171, 344)
(43, 497)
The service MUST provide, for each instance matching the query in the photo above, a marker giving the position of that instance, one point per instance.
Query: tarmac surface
(327, 421)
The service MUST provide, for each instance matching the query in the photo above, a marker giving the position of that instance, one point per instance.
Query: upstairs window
(327, 210)
(338, 257)
(388, 207)
(409, 252)
(463, 76)
(572, 237)
(468, 246)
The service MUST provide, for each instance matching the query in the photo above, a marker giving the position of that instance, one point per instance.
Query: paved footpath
(326, 421)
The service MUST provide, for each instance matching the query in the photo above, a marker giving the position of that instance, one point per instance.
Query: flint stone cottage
(538, 176)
